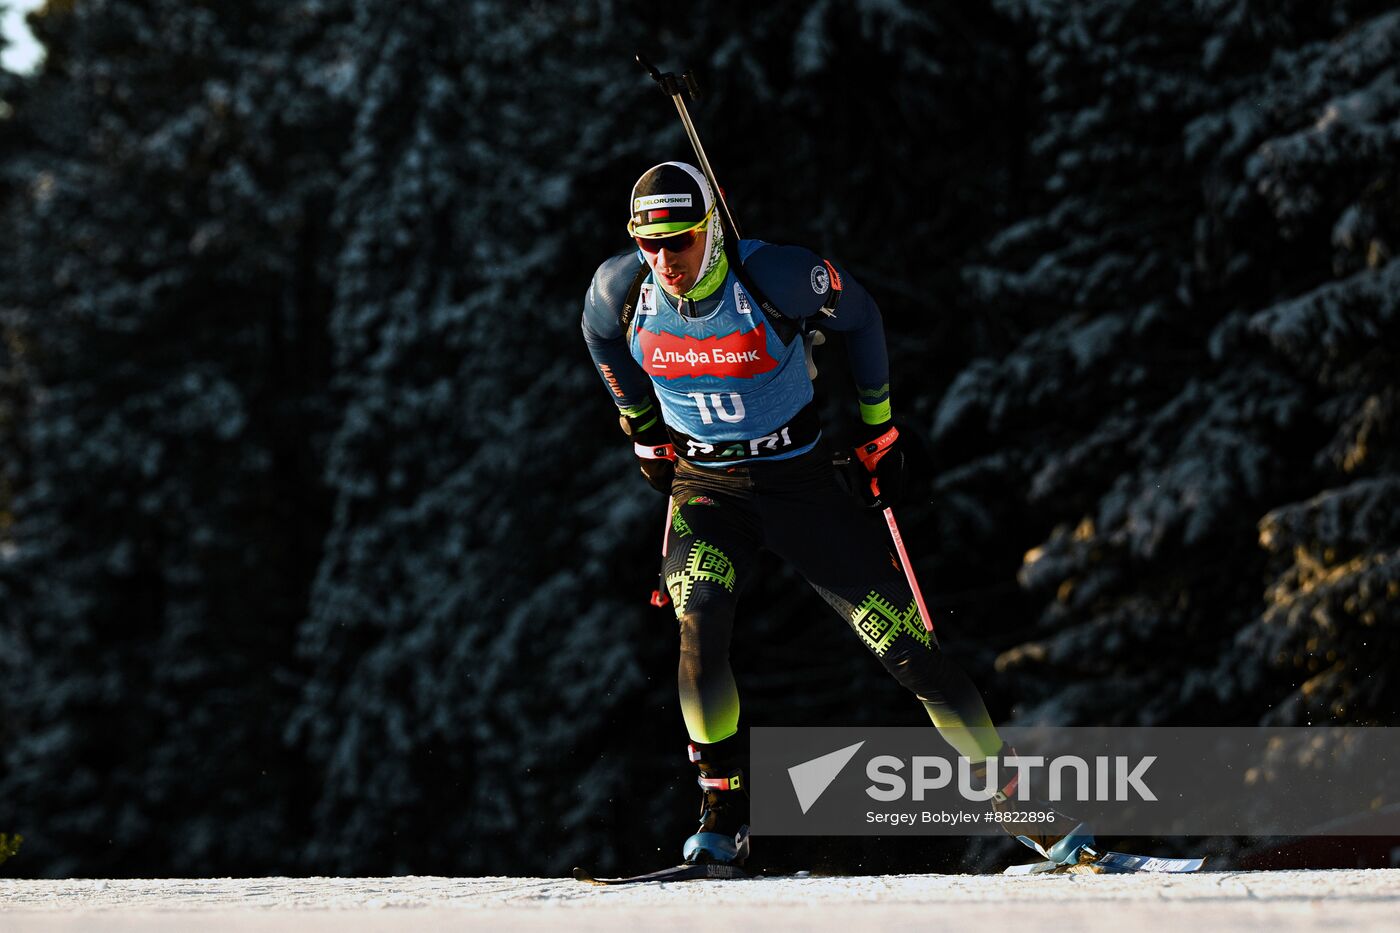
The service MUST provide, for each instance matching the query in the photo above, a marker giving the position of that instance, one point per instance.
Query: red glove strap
(659, 452)
(871, 452)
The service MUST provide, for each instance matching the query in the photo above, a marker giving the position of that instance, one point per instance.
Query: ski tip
(581, 874)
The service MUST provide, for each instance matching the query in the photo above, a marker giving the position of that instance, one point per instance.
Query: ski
(1112, 863)
(1122, 863)
(686, 872)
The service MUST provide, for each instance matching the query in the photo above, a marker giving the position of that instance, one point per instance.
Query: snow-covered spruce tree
(1312, 148)
(165, 202)
(1076, 422)
(466, 668)
(1144, 424)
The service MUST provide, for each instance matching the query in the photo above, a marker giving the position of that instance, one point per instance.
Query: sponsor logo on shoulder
(821, 280)
(646, 299)
(660, 200)
(742, 300)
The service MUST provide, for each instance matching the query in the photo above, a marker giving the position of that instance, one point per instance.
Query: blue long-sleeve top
(719, 371)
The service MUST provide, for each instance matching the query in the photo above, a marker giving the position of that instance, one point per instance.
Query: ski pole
(908, 567)
(659, 597)
(678, 87)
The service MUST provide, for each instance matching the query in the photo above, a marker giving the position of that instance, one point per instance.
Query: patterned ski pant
(721, 518)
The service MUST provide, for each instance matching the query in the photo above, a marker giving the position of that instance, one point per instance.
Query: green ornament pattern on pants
(879, 623)
(705, 563)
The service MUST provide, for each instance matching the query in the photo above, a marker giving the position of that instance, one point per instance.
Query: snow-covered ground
(1204, 903)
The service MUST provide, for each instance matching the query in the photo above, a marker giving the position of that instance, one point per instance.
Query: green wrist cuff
(875, 414)
(638, 418)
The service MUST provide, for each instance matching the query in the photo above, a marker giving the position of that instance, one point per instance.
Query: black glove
(655, 454)
(882, 455)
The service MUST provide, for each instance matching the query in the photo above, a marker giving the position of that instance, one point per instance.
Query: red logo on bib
(741, 355)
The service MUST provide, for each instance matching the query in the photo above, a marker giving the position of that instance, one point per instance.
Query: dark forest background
(320, 551)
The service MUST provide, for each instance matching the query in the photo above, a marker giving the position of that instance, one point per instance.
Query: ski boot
(1063, 840)
(723, 835)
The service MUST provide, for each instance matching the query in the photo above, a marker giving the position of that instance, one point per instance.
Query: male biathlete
(716, 397)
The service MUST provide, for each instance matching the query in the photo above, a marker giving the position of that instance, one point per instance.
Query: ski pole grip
(651, 69)
(667, 81)
(675, 85)
(872, 452)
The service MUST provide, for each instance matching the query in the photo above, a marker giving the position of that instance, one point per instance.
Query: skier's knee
(918, 668)
(691, 624)
(704, 637)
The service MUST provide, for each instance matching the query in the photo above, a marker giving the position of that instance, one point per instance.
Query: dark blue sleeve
(629, 386)
(796, 280)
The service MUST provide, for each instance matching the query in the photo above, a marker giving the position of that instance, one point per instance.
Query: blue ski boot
(1064, 840)
(723, 835)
